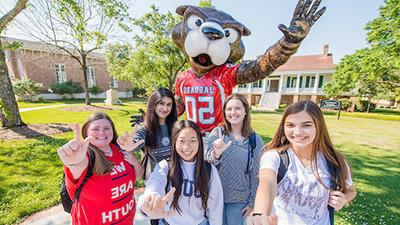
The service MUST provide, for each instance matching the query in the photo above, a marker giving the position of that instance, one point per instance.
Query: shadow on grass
(376, 174)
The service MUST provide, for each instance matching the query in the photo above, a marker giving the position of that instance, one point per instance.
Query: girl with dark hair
(317, 179)
(156, 129)
(194, 192)
(236, 149)
(107, 196)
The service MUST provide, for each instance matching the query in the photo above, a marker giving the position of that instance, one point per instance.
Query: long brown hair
(102, 165)
(151, 118)
(201, 176)
(322, 142)
(246, 128)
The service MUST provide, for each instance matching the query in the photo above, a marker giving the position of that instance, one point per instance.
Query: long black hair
(151, 119)
(201, 176)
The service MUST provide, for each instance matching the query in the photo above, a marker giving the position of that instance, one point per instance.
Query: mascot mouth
(203, 60)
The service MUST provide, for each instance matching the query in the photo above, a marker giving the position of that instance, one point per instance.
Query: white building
(300, 78)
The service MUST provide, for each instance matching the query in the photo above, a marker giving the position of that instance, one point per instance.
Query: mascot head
(208, 37)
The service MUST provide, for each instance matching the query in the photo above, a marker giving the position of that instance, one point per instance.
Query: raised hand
(337, 200)
(74, 152)
(219, 145)
(126, 141)
(262, 219)
(153, 205)
(303, 19)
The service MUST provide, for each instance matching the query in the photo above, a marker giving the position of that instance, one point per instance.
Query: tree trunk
(9, 112)
(86, 86)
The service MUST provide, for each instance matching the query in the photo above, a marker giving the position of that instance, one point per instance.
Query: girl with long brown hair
(188, 185)
(107, 196)
(316, 178)
(236, 149)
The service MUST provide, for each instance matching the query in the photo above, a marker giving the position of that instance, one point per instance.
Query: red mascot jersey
(204, 96)
(107, 199)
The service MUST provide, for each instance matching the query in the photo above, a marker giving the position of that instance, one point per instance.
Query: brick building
(48, 64)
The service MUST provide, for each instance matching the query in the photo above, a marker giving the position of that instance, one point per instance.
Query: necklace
(108, 153)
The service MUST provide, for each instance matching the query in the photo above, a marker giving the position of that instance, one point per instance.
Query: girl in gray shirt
(230, 150)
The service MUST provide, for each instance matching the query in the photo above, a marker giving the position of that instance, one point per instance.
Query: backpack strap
(334, 172)
(89, 173)
(283, 165)
(250, 155)
(208, 167)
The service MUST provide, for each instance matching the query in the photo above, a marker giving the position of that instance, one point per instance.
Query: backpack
(66, 201)
(283, 167)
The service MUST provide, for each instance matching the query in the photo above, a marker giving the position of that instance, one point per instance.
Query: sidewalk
(40, 107)
(57, 216)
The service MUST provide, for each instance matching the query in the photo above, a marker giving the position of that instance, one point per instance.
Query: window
(91, 76)
(257, 84)
(243, 86)
(310, 80)
(114, 82)
(61, 75)
(301, 82)
(321, 81)
(291, 81)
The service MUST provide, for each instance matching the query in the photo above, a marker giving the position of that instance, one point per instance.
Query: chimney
(325, 50)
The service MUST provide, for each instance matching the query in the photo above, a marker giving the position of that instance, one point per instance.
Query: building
(47, 64)
(300, 78)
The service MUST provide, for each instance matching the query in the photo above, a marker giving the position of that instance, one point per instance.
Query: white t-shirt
(189, 202)
(301, 198)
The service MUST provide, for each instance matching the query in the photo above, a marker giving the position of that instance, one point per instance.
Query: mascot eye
(193, 22)
(231, 34)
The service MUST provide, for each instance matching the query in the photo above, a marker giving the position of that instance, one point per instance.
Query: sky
(341, 26)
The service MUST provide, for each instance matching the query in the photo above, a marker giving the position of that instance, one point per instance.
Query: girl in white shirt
(304, 193)
(194, 196)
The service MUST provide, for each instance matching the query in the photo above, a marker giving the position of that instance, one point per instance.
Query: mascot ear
(177, 33)
(181, 9)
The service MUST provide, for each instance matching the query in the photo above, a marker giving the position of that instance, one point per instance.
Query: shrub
(95, 90)
(346, 103)
(68, 87)
(282, 106)
(138, 92)
(362, 106)
(25, 89)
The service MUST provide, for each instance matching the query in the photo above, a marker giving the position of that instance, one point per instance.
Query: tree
(373, 71)
(154, 60)
(77, 27)
(206, 3)
(9, 112)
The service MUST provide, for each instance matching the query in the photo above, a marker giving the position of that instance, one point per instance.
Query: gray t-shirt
(162, 149)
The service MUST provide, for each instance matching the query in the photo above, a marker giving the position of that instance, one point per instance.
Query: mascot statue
(211, 41)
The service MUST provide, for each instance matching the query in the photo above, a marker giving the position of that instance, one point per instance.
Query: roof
(308, 62)
(46, 47)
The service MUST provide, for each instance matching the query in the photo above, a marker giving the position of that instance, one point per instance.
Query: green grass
(31, 171)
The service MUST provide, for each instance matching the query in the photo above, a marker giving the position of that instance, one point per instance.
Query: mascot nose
(212, 33)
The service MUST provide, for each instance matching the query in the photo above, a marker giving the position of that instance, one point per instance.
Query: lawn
(31, 171)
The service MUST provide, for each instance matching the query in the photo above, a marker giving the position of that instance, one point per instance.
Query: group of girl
(297, 178)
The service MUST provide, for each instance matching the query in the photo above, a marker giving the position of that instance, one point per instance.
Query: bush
(363, 105)
(282, 106)
(68, 87)
(25, 89)
(95, 90)
(346, 103)
(138, 92)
